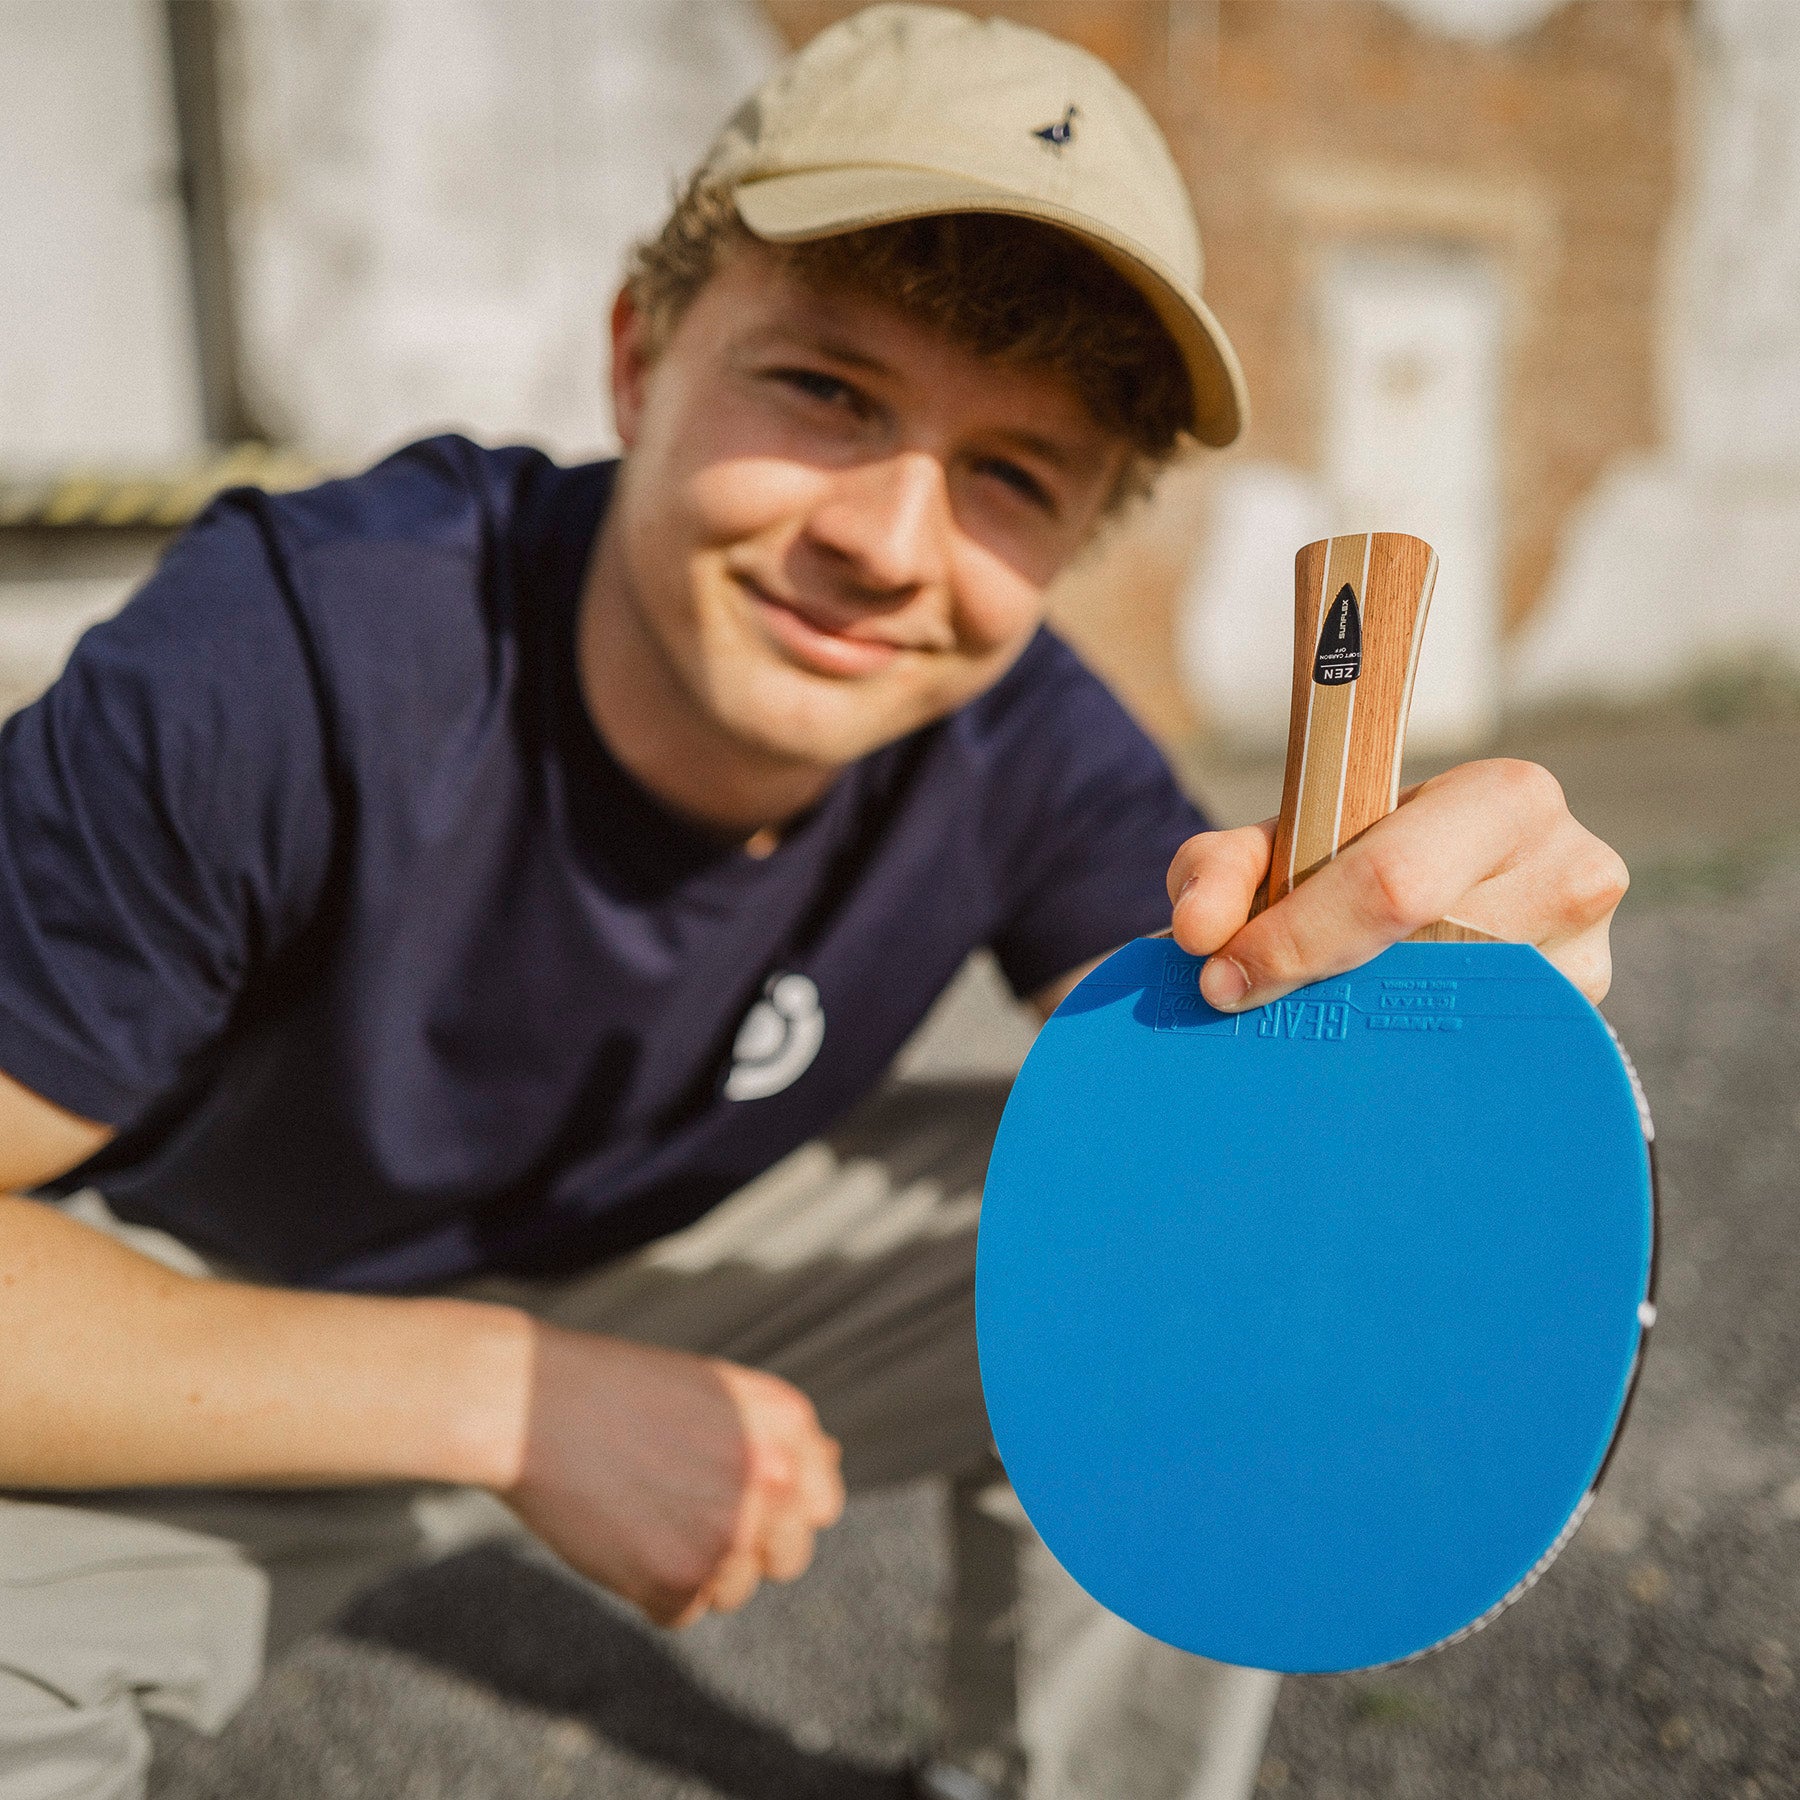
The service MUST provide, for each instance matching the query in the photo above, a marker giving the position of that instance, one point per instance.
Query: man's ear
(630, 366)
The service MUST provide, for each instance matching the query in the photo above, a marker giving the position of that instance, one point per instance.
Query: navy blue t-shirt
(318, 883)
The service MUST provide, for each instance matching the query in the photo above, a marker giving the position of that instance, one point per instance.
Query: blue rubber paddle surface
(1305, 1332)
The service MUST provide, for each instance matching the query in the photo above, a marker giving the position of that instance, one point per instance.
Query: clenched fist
(678, 1481)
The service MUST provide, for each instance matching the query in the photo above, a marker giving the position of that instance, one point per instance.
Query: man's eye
(817, 385)
(1021, 481)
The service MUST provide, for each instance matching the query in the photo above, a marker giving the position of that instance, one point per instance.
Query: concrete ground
(1656, 1658)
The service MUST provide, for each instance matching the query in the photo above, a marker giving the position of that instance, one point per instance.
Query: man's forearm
(117, 1372)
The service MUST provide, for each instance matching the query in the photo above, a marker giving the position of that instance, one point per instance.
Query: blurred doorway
(1412, 341)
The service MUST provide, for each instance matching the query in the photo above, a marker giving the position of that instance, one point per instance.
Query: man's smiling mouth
(808, 639)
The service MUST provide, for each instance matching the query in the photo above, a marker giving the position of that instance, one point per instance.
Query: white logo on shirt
(778, 1039)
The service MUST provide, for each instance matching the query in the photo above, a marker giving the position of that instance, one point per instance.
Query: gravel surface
(1656, 1657)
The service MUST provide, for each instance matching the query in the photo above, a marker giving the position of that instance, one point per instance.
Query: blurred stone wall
(432, 201)
(1690, 556)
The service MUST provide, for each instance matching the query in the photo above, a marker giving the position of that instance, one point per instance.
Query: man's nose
(885, 524)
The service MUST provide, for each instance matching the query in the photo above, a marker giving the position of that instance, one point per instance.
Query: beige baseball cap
(902, 111)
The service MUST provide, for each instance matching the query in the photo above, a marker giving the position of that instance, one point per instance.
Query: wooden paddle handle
(1359, 618)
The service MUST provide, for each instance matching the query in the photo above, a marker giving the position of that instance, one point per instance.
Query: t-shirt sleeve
(165, 826)
(1095, 816)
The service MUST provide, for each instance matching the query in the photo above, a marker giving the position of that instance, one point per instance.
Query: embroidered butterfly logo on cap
(1062, 132)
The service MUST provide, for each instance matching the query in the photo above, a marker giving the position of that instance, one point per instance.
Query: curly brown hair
(1012, 290)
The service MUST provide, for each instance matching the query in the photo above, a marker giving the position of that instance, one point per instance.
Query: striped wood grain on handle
(1360, 605)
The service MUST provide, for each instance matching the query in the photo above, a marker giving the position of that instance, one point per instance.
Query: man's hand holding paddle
(1492, 844)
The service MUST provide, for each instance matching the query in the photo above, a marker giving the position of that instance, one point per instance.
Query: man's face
(835, 524)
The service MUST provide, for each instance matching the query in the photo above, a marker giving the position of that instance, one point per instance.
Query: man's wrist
(482, 1358)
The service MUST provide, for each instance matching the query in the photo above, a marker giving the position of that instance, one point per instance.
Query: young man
(453, 922)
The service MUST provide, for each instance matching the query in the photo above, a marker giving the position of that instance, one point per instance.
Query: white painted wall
(1235, 627)
(1482, 21)
(1410, 339)
(41, 618)
(96, 344)
(1412, 443)
(1692, 556)
(433, 199)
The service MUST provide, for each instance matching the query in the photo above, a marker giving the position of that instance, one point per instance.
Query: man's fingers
(1564, 887)
(787, 1547)
(1585, 960)
(774, 1540)
(821, 1485)
(677, 1613)
(739, 1576)
(791, 1455)
(782, 1550)
(793, 1487)
(1370, 896)
(1213, 883)
(1484, 840)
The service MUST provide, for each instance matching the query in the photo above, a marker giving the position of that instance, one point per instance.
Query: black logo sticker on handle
(1339, 657)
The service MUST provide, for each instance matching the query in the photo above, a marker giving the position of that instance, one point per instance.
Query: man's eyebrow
(1058, 454)
(830, 344)
(845, 352)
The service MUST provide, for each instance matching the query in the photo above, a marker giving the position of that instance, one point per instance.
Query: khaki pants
(849, 1270)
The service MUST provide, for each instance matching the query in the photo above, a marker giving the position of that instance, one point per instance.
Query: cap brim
(816, 203)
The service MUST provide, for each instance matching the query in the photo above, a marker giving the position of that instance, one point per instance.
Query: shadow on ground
(529, 1634)
(492, 1674)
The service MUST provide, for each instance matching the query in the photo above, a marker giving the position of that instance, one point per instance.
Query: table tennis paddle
(1305, 1333)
